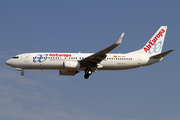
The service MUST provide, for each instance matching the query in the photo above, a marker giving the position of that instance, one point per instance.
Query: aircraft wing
(96, 58)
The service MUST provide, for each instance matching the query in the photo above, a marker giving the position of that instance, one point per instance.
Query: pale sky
(147, 93)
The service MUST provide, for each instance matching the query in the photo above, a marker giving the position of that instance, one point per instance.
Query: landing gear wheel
(22, 73)
(86, 76)
(88, 72)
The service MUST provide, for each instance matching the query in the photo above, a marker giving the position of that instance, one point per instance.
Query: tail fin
(155, 44)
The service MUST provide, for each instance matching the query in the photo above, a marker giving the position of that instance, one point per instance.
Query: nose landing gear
(22, 73)
(20, 69)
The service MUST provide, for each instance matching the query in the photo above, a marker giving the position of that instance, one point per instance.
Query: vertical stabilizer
(155, 44)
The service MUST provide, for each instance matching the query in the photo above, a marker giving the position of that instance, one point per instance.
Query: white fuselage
(58, 60)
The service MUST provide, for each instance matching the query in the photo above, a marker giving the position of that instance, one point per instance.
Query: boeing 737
(71, 63)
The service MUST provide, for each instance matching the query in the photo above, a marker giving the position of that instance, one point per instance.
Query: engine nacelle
(68, 72)
(71, 65)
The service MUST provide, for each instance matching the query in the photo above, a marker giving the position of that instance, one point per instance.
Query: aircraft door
(139, 59)
(26, 59)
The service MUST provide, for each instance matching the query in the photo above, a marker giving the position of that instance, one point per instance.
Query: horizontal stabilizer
(162, 54)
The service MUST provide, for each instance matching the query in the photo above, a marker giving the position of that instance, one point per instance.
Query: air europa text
(59, 55)
(151, 42)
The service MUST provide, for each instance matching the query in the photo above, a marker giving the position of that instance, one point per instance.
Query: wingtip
(120, 39)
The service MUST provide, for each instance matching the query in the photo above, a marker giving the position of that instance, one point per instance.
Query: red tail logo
(151, 42)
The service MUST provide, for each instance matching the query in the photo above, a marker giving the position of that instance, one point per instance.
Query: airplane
(70, 64)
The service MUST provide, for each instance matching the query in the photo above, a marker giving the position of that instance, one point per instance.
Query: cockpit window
(16, 57)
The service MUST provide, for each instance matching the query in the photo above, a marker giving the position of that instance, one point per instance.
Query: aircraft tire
(86, 76)
(22, 73)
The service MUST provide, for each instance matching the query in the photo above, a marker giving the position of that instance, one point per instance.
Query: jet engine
(68, 72)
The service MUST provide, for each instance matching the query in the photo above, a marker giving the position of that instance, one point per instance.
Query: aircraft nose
(8, 62)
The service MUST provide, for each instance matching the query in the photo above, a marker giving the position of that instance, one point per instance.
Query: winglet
(120, 39)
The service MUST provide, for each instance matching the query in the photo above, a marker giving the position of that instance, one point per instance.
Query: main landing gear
(88, 72)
